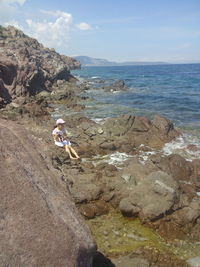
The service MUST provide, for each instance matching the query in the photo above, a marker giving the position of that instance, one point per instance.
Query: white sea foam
(180, 146)
(115, 92)
(116, 159)
(99, 120)
(144, 156)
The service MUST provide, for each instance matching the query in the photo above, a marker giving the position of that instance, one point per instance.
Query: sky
(118, 30)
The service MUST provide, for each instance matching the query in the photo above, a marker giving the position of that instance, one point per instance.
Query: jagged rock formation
(39, 224)
(27, 67)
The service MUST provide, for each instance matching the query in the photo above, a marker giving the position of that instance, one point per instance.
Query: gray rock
(152, 197)
(119, 85)
(14, 105)
(126, 177)
(127, 208)
(84, 189)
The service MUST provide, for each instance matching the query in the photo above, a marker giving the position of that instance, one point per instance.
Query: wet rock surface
(128, 242)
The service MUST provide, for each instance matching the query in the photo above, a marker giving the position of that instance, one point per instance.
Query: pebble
(194, 262)
(105, 233)
(116, 233)
(137, 238)
(100, 130)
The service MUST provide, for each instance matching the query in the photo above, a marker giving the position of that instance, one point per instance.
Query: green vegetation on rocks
(117, 235)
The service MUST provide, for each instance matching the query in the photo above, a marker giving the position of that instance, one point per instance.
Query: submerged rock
(119, 85)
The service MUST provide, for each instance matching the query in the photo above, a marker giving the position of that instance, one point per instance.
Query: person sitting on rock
(60, 134)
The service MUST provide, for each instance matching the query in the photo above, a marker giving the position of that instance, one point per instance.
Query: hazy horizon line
(142, 61)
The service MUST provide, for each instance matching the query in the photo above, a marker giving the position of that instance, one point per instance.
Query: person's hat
(60, 121)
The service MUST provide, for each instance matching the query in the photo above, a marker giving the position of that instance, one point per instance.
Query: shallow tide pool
(116, 234)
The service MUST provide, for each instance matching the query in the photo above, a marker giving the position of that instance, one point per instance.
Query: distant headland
(89, 61)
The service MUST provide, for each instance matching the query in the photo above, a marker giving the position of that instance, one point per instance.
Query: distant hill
(89, 61)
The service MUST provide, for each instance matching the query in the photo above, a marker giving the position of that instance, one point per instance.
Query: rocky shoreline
(162, 191)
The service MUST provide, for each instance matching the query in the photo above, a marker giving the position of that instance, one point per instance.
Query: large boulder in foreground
(27, 67)
(39, 224)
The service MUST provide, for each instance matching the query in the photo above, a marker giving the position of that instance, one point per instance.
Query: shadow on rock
(101, 260)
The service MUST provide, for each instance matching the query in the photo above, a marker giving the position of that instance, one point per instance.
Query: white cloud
(8, 2)
(83, 26)
(8, 9)
(54, 32)
(185, 45)
(56, 13)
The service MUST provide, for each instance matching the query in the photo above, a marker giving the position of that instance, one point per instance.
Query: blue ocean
(170, 90)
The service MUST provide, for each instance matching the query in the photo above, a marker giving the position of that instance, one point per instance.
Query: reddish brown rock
(183, 223)
(177, 166)
(193, 148)
(195, 176)
(163, 125)
(27, 67)
(91, 210)
(135, 131)
(141, 124)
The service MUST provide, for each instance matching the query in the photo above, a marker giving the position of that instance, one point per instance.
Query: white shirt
(61, 133)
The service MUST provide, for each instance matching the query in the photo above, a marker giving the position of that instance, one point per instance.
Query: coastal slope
(27, 67)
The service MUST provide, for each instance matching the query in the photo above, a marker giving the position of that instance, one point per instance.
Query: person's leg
(68, 151)
(74, 152)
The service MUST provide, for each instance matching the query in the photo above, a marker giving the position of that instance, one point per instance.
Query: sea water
(172, 91)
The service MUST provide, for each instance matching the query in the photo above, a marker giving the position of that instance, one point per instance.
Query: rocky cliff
(39, 224)
(27, 67)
